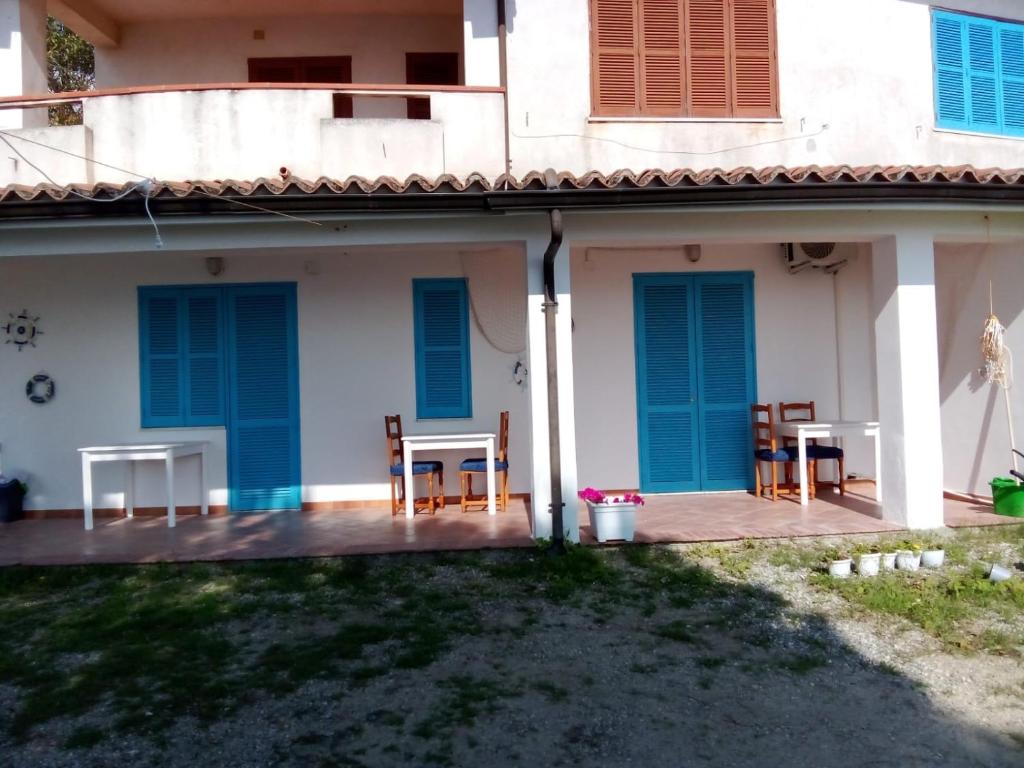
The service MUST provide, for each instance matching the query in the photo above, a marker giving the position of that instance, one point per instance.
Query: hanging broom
(997, 368)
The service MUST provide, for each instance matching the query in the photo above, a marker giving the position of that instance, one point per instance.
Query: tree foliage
(71, 66)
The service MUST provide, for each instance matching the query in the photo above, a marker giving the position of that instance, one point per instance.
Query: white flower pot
(888, 561)
(840, 568)
(907, 560)
(869, 563)
(998, 573)
(612, 522)
(933, 558)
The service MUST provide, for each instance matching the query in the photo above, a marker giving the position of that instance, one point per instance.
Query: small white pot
(907, 560)
(998, 573)
(933, 558)
(612, 522)
(888, 561)
(840, 569)
(869, 563)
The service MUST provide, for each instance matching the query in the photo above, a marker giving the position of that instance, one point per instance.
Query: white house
(333, 156)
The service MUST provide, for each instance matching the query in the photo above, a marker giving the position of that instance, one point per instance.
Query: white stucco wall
(975, 432)
(480, 42)
(863, 68)
(858, 394)
(848, 94)
(356, 358)
(218, 50)
(22, 58)
(794, 332)
(252, 134)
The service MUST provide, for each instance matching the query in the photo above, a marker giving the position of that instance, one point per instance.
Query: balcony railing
(245, 131)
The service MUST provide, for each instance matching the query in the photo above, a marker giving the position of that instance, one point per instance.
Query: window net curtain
(497, 296)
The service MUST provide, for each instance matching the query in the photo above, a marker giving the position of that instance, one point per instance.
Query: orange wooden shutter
(755, 82)
(707, 57)
(662, 76)
(615, 66)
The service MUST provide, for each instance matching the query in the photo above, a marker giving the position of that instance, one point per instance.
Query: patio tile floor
(674, 518)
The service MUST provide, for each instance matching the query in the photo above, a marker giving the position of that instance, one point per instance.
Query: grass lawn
(498, 658)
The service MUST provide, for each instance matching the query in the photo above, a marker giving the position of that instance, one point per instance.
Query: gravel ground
(767, 671)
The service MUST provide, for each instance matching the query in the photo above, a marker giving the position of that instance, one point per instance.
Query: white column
(906, 349)
(480, 42)
(537, 365)
(23, 59)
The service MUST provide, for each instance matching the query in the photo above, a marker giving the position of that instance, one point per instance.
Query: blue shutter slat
(205, 353)
(161, 375)
(725, 378)
(950, 73)
(672, 463)
(666, 383)
(263, 432)
(441, 335)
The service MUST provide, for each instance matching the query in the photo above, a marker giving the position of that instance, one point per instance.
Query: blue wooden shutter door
(162, 381)
(725, 370)
(666, 383)
(441, 330)
(204, 356)
(263, 429)
(950, 71)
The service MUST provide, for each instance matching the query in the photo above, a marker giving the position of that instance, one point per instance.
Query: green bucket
(1007, 497)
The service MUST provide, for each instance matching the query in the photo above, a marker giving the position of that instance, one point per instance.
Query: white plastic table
(412, 443)
(130, 453)
(809, 430)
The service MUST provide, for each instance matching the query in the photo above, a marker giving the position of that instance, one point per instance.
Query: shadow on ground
(603, 657)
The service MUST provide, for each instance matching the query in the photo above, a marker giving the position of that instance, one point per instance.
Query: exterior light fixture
(693, 252)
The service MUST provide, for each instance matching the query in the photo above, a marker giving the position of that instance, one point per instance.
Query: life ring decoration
(40, 389)
(22, 330)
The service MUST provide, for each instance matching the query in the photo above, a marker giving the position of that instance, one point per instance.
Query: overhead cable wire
(147, 180)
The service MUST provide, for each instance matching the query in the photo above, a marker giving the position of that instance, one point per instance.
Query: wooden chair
(789, 412)
(767, 450)
(475, 466)
(396, 469)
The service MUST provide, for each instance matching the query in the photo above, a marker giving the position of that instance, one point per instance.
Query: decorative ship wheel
(22, 330)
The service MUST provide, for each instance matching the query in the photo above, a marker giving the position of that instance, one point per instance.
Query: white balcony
(244, 132)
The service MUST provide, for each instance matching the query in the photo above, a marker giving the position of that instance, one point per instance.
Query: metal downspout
(503, 81)
(551, 344)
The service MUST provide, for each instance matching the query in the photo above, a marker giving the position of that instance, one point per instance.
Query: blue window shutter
(982, 76)
(950, 70)
(441, 335)
(162, 380)
(726, 378)
(666, 383)
(263, 429)
(204, 357)
(1011, 70)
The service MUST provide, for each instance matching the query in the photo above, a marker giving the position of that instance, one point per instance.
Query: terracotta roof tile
(807, 176)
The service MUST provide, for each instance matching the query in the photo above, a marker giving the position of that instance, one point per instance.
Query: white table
(411, 443)
(130, 453)
(809, 430)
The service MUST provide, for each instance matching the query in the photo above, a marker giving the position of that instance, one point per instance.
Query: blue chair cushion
(480, 465)
(783, 454)
(418, 468)
(824, 452)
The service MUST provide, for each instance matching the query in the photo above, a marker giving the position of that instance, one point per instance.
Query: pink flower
(593, 495)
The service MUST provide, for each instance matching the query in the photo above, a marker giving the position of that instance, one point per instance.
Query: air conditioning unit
(801, 256)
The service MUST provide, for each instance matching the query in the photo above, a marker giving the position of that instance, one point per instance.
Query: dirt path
(635, 657)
